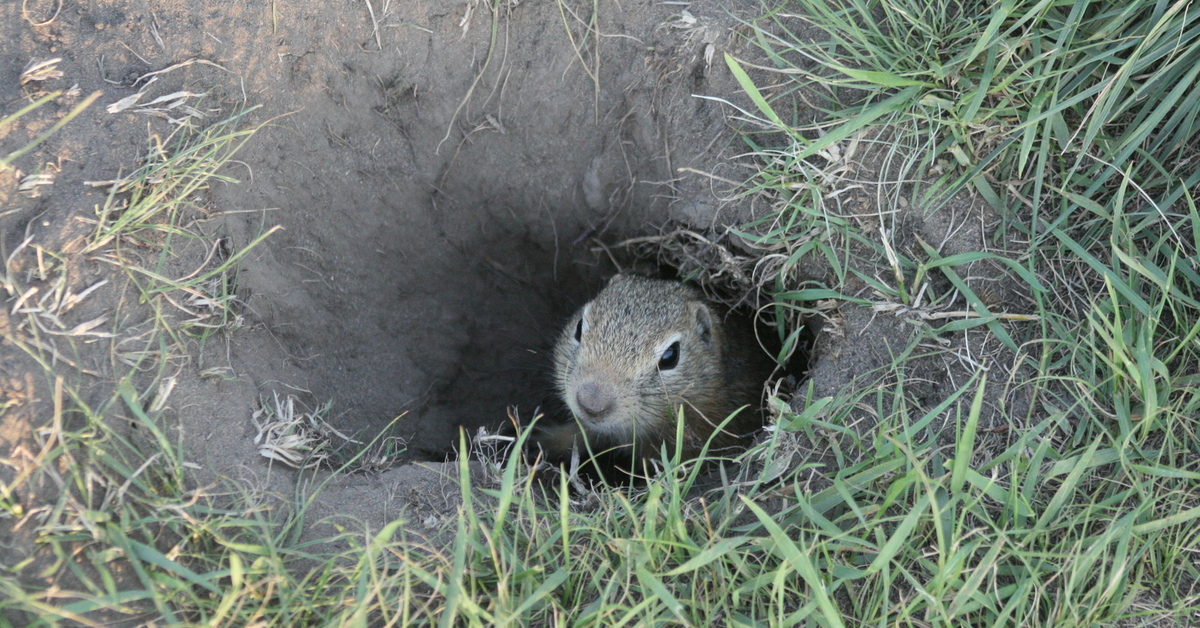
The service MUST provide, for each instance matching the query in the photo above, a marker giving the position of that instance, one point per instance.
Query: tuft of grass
(303, 439)
(160, 206)
(101, 484)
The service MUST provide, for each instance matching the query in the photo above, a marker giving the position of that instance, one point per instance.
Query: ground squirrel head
(632, 357)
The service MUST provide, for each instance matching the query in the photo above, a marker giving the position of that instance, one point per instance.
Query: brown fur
(610, 370)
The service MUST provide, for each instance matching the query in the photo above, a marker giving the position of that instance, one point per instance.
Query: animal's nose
(595, 400)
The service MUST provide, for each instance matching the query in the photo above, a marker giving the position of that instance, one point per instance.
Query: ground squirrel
(638, 352)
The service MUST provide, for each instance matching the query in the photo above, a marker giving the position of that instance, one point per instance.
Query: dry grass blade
(173, 107)
(31, 184)
(153, 76)
(710, 261)
(299, 439)
(45, 70)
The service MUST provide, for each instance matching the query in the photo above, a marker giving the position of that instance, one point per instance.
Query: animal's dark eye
(670, 357)
(579, 330)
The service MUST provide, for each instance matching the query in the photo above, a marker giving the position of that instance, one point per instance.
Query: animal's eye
(670, 357)
(579, 330)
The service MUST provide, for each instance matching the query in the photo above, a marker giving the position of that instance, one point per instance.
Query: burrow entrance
(440, 202)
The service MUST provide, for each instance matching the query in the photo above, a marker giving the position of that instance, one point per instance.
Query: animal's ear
(704, 323)
(617, 279)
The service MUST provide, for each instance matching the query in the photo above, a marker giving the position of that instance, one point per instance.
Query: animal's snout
(595, 400)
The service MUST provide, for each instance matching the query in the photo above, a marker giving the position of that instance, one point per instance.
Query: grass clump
(1074, 122)
(99, 488)
(158, 207)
